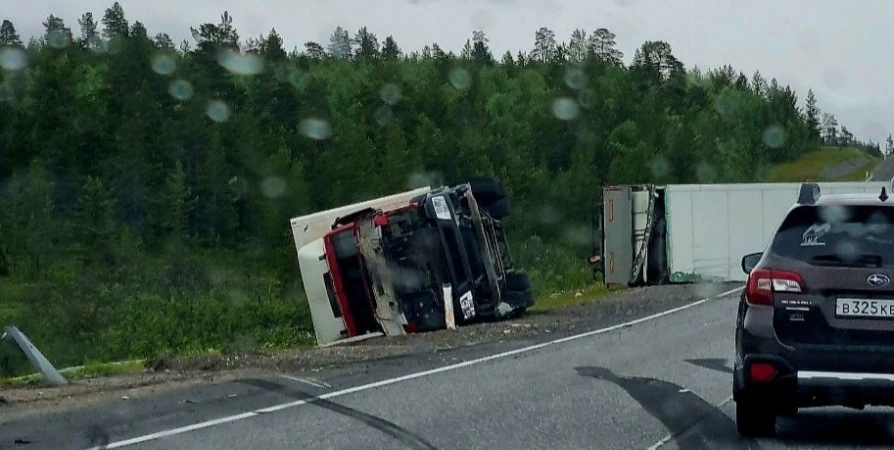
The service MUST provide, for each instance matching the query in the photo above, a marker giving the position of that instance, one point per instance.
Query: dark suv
(815, 325)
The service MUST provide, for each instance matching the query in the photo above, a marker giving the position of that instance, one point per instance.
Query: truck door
(617, 253)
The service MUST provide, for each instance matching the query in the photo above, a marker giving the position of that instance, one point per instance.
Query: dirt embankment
(171, 372)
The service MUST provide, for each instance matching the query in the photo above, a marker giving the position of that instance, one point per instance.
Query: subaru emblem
(878, 279)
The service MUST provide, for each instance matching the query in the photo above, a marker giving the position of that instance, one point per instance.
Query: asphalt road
(661, 382)
(884, 171)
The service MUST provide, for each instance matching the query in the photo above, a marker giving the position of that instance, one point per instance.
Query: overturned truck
(416, 261)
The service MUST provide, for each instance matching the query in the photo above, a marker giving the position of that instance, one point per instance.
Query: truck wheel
(519, 300)
(753, 420)
(517, 281)
(499, 209)
(486, 190)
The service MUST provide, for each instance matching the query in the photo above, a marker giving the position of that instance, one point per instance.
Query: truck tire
(517, 281)
(486, 190)
(500, 209)
(520, 300)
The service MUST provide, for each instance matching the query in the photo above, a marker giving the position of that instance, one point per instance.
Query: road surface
(884, 171)
(661, 381)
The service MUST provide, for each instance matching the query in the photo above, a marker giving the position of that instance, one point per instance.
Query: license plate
(863, 307)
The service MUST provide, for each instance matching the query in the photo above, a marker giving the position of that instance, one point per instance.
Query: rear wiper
(834, 259)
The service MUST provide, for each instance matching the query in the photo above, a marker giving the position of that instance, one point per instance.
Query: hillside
(827, 164)
(146, 189)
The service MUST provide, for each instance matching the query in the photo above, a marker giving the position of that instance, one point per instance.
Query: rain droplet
(298, 79)
(846, 250)
(565, 108)
(384, 116)
(180, 89)
(660, 167)
(460, 78)
(548, 215)
(724, 104)
(576, 235)
(12, 58)
(241, 63)
(586, 98)
(163, 64)
(834, 214)
(315, 128)
(218, 111)
(58, 39)
(116, 44)
(419, 180)
(774, 136)
(390, 94)
(705, 173)
(481, 19)
(575, 78)
(834, 79)
(273, 186)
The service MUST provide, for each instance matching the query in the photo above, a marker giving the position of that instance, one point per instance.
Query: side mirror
(749, 261)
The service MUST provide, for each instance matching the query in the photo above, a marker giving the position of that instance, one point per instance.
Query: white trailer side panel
(710, 227)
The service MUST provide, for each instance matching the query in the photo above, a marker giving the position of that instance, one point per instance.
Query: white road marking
(309, 381)
(668, 438)
(412, 376)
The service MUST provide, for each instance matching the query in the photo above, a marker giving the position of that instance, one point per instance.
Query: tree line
(146, 186)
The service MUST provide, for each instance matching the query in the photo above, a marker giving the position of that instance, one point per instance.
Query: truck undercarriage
(441, 258)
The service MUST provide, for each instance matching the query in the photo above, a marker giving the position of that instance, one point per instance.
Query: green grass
(811, 167)
(568, 298)
(91, 370)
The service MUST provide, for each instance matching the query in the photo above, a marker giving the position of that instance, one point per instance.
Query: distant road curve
(884, 171)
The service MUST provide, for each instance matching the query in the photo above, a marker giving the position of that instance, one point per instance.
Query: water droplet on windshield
(180, 89)
(241, 63)
(12, 58)
(384, 116)
(565, 108)
(460, 78)
(218, 111)
(58, 39)
(273, 186)
(834, 214)
(774, 136)
(163, 64)
(575, 78)
(659, 166)
(315, 128)
(705, 173)
(586, 98)
(390, 94)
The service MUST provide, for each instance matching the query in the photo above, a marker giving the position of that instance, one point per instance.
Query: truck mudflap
(387, 307)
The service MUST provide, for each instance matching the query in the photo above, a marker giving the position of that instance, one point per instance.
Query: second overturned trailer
(417, 261)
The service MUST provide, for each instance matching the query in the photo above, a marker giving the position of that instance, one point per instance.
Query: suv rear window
(861, 236)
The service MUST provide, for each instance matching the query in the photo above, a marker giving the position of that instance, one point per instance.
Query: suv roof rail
(808, 194)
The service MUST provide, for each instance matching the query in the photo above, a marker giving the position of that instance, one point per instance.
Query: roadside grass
(572, 297)
(91, 370)
(811, 167)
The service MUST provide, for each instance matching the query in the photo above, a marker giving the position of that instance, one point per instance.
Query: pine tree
(390, 50)
(340, 44)
(114, 23)
(8, 35)
(812, 115)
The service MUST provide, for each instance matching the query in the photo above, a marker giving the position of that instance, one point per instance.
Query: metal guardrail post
(40, 362)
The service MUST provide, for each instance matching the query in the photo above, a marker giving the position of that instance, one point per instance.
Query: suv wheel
(753, 420)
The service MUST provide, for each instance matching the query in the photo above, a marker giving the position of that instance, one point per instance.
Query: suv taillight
(762, 283)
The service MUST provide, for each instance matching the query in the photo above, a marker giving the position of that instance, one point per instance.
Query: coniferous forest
(146, 186)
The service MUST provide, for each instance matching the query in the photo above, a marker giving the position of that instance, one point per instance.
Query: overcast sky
(842, 49)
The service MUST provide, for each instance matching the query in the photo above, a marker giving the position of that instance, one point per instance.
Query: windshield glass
(838, 235)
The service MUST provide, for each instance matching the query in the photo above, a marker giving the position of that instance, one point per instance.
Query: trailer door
(617, 243)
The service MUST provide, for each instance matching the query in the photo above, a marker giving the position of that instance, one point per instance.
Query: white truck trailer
(695, 232)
